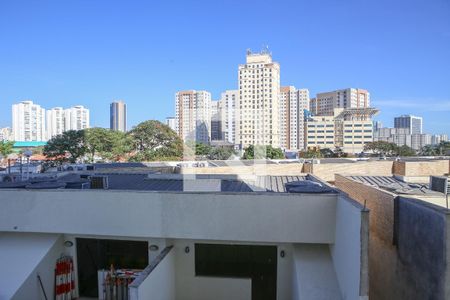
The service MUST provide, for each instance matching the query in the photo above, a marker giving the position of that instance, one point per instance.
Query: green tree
(202, 149)
(221, 153)
(311, 153)
(405, 151)
(6, 148)
(261, 152)
(68, 146)
(381, 148)
(152, 140)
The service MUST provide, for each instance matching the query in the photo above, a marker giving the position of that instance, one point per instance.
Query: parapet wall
(261, 169)
(421, 168)
(407, 245)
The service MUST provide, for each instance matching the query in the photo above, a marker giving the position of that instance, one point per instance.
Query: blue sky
(63, 53)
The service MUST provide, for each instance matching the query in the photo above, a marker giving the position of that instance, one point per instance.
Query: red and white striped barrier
(64, 279)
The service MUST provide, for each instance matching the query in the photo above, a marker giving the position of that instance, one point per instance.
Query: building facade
(28, 122)
(413, 123)
(216, 122)
(257, 117)
(347, 129)
(293, 103)
(171, 122)
(193, 115)
(325, 103)
(118, 116)
(5, 134)
(227, 106)
(55, 122)
(76, 118)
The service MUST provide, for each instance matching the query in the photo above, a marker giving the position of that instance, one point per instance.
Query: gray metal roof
(394, 185)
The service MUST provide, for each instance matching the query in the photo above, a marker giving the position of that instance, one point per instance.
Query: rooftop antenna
(249, 51)
(265, 50)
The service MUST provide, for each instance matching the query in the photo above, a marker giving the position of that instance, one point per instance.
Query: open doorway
(97, 254)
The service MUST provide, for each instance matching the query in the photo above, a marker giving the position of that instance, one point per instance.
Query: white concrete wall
(160, 283)
(313, 274)
(252, 217)
(191, 287)
(22, 257)
(350, 249)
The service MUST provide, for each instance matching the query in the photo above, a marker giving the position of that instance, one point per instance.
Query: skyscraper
(28, 122)
(76, 118)
(257, 108)
(413, 123)
(325, 103)
(118, 116)
(216, 122)
(193, 115)
(55, 122)
(293, 103)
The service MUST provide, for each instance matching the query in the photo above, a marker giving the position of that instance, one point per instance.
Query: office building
(413, 123)
(172, 123)
(55, 122)
(118, 116)
(257, 117)
(293, 103)
(348, 129)
(325, 103)
(193, 115)
(76, 118)
(227, 106)
(28, 122)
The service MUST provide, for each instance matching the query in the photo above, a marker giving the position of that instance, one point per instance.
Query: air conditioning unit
(99, 182)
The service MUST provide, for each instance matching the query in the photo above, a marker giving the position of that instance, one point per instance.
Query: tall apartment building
(55, 122)
(227, 106)
(348, 129)
(325, 103)
(193, 115)
(76, 118)
(28, 122)
(257, 117)
(118, 116)
(216, 123)
(293, 103)
(413, 123)
(172, 123)
(5, 134)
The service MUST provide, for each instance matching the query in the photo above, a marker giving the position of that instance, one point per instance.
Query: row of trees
(150, 140)
(390, 149)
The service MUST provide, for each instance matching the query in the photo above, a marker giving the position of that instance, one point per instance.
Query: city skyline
(58, 69)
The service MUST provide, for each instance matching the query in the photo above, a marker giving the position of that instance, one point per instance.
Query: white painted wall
(22, 257)
(347, 249)
(314, 274)
(191, 287)
(160, 283)
(252, 217)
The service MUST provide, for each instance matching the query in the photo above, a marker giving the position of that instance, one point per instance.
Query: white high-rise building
(172, 123)
(76, 118)
(257, 115)
(325, 103)
(227, 107)
(293, 103)
(28, 122)
(193, 115)
(55, 122)
(5, 134)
